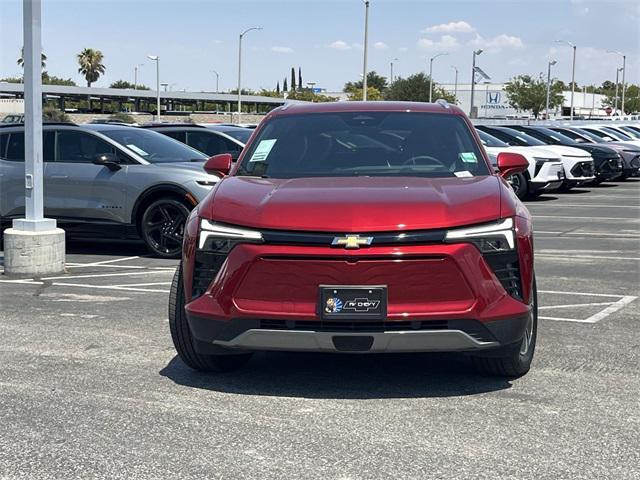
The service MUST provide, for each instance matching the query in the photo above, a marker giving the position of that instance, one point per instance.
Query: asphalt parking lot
(90, 385)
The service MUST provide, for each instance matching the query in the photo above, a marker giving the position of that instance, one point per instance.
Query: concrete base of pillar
(33, 254)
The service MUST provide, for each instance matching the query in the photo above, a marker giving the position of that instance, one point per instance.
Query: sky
(325, 38)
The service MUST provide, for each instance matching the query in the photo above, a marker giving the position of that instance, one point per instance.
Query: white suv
(545, 172)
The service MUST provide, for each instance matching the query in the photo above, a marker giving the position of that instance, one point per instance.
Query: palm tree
(91, 66)
(20, 61)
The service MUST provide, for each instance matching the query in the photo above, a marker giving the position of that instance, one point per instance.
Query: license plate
(354, 302)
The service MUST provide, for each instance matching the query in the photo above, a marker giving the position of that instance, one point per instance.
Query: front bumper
(255, 335)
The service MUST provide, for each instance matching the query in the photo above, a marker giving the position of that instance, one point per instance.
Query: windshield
(617, 133)
(577, 137)
(241, 135)
(556, 138)
(154, 147)
(629, 131)
(521, 138)
(364, 144)
(491, 141)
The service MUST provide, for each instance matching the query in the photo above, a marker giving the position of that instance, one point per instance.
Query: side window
(48, 146)
(3, 145)
(15, 147)
(230, 147)
(207, 142)
(80, 147)
(180, 136)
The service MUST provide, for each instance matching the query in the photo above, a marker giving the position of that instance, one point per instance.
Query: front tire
(183, 340)
(515, 360)
(519, 184)
(162, 227)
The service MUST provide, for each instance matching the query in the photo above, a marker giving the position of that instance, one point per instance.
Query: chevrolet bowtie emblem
(352, 242)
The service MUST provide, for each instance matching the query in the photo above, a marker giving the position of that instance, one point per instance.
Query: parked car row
(110, 180)
(563, 157)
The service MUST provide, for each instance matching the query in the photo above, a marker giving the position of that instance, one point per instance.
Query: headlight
(489, 238)
(221, 238)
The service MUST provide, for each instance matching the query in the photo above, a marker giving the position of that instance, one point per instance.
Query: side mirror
(107, 160)
(511, 163)
(218, 164)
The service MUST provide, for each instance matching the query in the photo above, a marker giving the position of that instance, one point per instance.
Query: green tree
(278, 88)
(122, 117)
(284, 85)
(52, 114)
(53, 80)
(529, 93)
(20, 61)
(293, 79)
(125, 84)
(299, 77)
(91, 65)
(372, 94)
(416, 89)
(307, 95)
(373, 80)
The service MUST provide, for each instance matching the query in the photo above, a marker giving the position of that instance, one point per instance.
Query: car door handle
(60, 176)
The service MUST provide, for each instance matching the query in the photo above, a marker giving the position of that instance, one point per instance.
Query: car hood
(195, 168)
(567, 151)
(528, 152)
(598, 150)
(354, 204)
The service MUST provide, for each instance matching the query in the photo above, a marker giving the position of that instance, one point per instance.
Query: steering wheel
(429, 160)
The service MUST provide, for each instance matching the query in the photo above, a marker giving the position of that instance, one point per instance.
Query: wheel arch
(156, 192)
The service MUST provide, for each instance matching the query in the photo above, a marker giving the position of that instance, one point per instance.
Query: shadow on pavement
(107, 248)
(335, 376)
(540, 199)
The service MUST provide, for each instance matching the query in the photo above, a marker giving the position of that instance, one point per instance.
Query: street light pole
(217, 81)
(624, 71)
(33, 246)
(135, 75)
(391, 72)
(431, 74)
(156, 59)
(550, 64)
(573, 73)
(455, 85)
(473, 81)
(364, 60)
(615, 102)
(240, 69)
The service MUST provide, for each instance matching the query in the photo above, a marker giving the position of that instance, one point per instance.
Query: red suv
(362, 228)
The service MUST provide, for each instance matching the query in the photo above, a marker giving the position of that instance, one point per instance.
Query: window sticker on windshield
(463, 174)
(468, 157)
(261, 152)
(136, 149)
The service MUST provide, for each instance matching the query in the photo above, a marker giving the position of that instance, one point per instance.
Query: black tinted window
(3, 145)
(212, 143)
(357, 144)
(15, 147)
(48, 146)
(79, 147)
(180, 136)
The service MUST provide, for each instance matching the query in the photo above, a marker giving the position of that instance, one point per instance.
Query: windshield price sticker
(468, 157)
(463, 174)
(261, 152)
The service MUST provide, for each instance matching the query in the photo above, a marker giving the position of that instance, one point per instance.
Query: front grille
(506, 268)
(342, 326)
(205, 268)
(583, 169)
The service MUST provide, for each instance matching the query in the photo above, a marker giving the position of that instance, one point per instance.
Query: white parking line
(612, 307)
(574, 217)
(586, 205)
(104, 262)
(594, 234)
(99, 275)
(586, 257)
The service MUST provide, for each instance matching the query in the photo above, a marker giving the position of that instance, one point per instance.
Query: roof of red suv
(300, 108)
